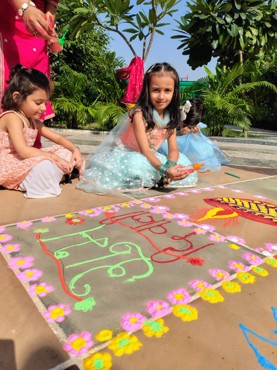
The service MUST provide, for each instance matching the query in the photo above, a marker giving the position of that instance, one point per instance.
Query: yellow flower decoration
(154, 328)
(124, 343)
(234, 246)
(125, 204)
(104, 335)
(69, 215)
(271, 261)
(260, 271)
(185, 312)
(136, 201)
(40, 289)
(246, 278)
(98, 361)
(107, 208)
(211, 295)
(231, 287)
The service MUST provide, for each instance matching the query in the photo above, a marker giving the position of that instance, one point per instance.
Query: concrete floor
(212, 342)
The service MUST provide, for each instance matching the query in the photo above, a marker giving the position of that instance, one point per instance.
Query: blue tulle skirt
(123, 169)
(199, 149)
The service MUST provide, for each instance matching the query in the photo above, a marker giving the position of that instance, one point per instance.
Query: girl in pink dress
(24, 38)
(37, 172)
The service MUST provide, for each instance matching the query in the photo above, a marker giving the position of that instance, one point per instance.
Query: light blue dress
(199, 149)
(117, 165)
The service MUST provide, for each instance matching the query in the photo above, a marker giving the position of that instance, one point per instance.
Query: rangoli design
(91, 270)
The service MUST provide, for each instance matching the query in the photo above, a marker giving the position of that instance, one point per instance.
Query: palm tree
(226, 101)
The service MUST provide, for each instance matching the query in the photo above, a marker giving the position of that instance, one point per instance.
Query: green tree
(265, 103)
(232, 31)
(226, 102)
(128, 21)
(83, 74)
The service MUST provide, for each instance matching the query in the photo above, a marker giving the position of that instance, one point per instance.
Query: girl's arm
(173, 151)
(34, 20)
(141, 137)
(14, 127)
(51, 8)
(77, 158)
(186, 130)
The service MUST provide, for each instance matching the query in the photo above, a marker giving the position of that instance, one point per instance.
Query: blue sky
(164, 49)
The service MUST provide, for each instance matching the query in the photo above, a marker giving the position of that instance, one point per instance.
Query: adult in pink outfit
(26, 32)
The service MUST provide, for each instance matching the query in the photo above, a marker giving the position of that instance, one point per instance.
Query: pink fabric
(155, 137)
(134, 72)
(20, 46)
(14, 169)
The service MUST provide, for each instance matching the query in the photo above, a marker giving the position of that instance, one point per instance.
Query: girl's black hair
(194, 115)
(24, 81)
(144, 98)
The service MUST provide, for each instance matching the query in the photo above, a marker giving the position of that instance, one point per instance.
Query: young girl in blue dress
(193, 143)
(128, 158)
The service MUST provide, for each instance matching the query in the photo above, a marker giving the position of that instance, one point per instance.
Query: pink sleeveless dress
(13, 169)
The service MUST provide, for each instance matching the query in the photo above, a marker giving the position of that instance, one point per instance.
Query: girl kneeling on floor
(128, 159)
(37, 172)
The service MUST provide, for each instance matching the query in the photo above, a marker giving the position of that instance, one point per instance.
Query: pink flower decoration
(24, 224)
(168, 216)
(179, 296)
(207, 189)
(2, 229)
(152, 199)
(57, 313)
(184, 223)
(5, 238)
(41, 289)
(48, 219)
(235, 239)
(21, 262)
(132, 321)
(252, 259)
(217, 238)
(219, 274)
(203, 229)
(182, 194)
(271, 247)
(135, 201)
(29, 275)
(159, 209)
(260, 196)
(221, 186)
(158, 309)
(9, 248)
(78, 344)
(262, 250)
(199, 285)
(146, 205)
(169, 196)
(180, 216)
(108, 209)
(237, 266)
(195, 191)
(90, 212)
